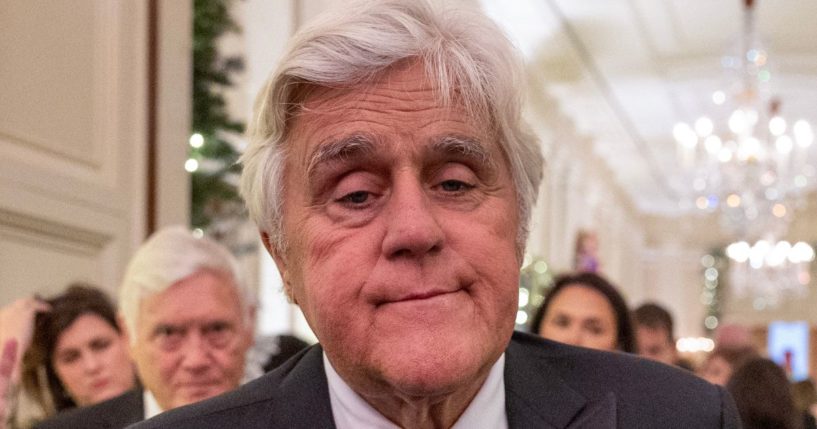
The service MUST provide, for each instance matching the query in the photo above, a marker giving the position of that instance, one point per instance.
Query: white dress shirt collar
(350, 411)
(152, 407)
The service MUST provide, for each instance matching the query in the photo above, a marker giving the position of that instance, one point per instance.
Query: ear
(280, 263)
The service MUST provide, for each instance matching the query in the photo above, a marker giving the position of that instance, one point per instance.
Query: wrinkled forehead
(204, 290)
(407, 81)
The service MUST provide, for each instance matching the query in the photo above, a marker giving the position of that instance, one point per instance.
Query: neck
(424, 412)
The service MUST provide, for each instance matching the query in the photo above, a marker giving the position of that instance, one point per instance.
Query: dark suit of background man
(189, 317)
(392, 181)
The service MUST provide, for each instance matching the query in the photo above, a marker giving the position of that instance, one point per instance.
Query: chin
(438, 370)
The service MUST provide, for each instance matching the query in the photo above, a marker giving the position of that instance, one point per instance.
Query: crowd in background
(183, 332)
(585, 309)
(72, 350)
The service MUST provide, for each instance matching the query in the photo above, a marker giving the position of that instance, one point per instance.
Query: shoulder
(644, 391)
(294, 389)
(117, 412)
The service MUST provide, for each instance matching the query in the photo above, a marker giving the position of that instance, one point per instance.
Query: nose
(579, 338)
(195, 353)
(91, 363)
(413, 229)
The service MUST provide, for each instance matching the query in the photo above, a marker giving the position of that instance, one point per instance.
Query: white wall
(73, 138)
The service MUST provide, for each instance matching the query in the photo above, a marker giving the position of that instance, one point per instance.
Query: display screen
(788, 346)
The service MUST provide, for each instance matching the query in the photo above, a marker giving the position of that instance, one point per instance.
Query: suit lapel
(125, 410)
(537, 396)
(305, 395)
(597, 414)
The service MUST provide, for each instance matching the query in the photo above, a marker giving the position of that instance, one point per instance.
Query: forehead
(652, 335)
(82, 329)
(204, 295)
(401, 102)
(582, 300)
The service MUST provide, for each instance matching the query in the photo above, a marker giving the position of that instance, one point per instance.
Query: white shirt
(350, 411)
(152, 407)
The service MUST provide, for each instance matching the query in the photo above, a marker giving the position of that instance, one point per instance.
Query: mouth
(198, 384)
(420, 297)
(424, 295)
(99, 384)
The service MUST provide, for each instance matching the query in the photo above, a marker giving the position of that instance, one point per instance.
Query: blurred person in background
(805, 399)
(655, 334)
(71, 351)
(763, 396)
(188, 316)
(732, 335)
(586, 310)
(721, 363)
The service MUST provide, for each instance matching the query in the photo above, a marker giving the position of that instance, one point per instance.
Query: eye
(168, 336)
(100, 344)
(355, 198)
(453, 179)
(594, 328)
(68, 357)
(357, 190)
(561, 321)
(455, 186)
(167, 331)
(219, 333)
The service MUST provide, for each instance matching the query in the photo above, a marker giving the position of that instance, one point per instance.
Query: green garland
(213, 183)
(715, 266)
(535, 278)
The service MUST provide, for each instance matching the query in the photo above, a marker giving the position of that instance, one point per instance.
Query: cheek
(70, 376)
(612, 340)
(494, 261)
(119, 357)
(153, 362)
(231, 359)
(335, 266)
(67, 373)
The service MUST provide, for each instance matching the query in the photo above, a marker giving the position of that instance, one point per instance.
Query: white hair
(169, 256)
(464, 53)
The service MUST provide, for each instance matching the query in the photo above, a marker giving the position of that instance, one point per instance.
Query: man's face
(401, 221)
(191, 340)
(654, 343)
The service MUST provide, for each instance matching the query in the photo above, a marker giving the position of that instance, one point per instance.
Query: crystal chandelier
(770, 271)
(746, 161)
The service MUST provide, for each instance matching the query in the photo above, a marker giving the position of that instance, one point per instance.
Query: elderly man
(392, 181)
(189, 318)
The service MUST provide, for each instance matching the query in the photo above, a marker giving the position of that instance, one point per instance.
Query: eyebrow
(463, 146)
(357, 145)
(339, 150)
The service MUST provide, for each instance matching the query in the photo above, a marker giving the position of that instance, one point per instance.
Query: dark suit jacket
(115, 413)
(547, 385)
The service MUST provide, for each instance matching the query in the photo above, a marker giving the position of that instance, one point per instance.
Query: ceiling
(626, 71)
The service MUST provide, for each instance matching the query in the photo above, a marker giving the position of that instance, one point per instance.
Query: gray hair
(169, 256)
(464, 53)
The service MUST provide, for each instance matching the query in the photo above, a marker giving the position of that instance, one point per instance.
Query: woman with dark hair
(74, 353)
(763, 396)
(584, 309)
